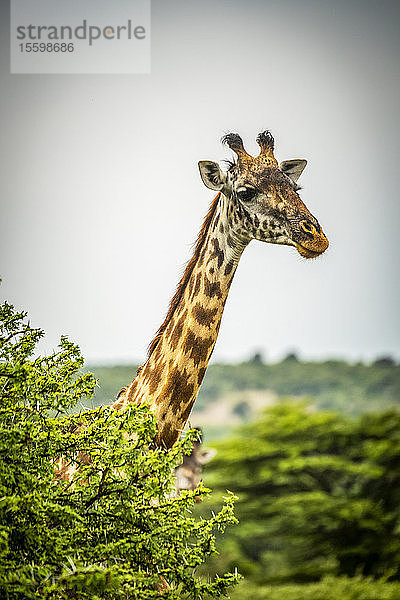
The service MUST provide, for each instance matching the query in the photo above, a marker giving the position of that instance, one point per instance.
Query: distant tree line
(331, 385)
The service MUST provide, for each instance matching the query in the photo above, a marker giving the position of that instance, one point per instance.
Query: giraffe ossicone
(257, 199)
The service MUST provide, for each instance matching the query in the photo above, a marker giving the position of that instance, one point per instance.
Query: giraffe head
(267, 206)
(188, 474)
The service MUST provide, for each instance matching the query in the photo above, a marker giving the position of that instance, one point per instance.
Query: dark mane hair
(186, 275)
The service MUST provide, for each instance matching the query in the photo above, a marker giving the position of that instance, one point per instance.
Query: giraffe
(188, 473)
(257, 198)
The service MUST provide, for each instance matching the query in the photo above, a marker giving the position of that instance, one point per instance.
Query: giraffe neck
(179, 354)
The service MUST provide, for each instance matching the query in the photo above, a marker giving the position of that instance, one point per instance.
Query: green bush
(113, 532)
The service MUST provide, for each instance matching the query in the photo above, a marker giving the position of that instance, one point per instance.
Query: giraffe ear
(212, 175)
(204, 456)
(293, 168)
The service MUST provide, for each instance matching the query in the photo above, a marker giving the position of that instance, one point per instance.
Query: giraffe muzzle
(314, 247)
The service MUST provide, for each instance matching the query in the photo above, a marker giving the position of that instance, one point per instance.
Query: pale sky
(101, 197)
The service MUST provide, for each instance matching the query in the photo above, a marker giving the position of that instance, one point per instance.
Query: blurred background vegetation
(312, 451)
(232, 394)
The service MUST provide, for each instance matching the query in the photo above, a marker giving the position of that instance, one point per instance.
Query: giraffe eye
(246, 194)
(307, 227)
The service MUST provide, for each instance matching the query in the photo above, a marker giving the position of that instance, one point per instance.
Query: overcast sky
(101, 197)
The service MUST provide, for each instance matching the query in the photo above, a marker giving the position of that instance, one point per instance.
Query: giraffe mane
(180, 290)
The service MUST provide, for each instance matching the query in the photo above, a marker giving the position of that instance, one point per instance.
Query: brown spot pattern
(177, 331)
(155, 378)
(212, 288)
(167, 434)
(200, 375)
(198, 348)
(229, 267)
(177, 388)
(204, 316)
(217, 252)
(187, 410)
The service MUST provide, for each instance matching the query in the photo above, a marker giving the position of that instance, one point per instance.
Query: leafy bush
(113, 531)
